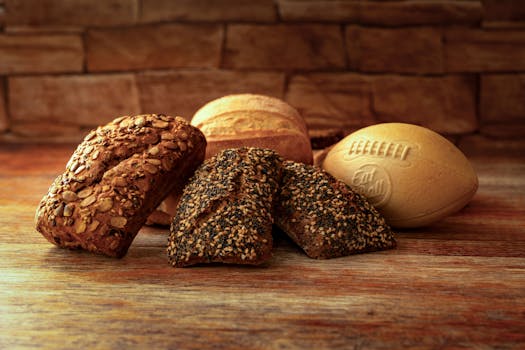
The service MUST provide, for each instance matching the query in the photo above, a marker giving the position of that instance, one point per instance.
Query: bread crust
(115, 178)
(225, 212)
(248, 104)
(252, 120)
(325, 217)
(288, 143)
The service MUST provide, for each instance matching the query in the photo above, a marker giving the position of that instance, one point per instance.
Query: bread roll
(325, 217)
(225, 212)
(254, 121)
(248, 120)
(411, 174)
(116, 177)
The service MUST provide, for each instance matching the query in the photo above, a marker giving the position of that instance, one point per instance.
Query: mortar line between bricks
(478, 102)
(345, 47)
(293, 71)
(85, 52)
(5, 96)
(222, 51)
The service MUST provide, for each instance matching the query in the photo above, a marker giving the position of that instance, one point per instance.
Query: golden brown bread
(248, 120)
(115, 178)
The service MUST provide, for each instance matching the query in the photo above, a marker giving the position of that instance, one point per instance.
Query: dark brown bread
(115, 178)
(225, 212)
(325, 217)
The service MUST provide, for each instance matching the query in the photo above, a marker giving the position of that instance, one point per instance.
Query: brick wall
(456, 66)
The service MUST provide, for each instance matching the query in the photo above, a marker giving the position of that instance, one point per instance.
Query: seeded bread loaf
(115, 178)
(325, 217)
(249, 120)
(225, 212)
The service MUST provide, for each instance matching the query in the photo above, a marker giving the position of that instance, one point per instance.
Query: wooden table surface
(459, 284)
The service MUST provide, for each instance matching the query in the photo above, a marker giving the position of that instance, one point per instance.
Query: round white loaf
(241, 120)
(255, 121)
(411, 174)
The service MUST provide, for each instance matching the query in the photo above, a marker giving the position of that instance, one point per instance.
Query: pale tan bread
(249, 120)
(412, 175)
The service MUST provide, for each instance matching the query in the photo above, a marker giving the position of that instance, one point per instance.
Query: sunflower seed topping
(118, 221)
(85, 192)
(88, 201)
(69, 196)
(105, 204)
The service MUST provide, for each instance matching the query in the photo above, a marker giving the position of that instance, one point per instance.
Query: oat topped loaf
(325, 217)
(225, 212)
(115, 178)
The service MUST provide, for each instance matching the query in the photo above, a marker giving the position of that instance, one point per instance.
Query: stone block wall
(456, 66)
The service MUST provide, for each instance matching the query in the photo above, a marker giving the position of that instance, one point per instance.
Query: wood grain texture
(458, 284)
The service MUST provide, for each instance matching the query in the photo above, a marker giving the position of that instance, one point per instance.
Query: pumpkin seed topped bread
(225, 212)
(115, 179)
(325, 217)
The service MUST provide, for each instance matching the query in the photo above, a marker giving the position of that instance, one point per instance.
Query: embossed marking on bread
(115, 178)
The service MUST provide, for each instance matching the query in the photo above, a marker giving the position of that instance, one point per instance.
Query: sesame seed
(227, 213)
(326, 217)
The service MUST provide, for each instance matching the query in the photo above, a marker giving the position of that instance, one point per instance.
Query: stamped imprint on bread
(397, 150)
(373, 181)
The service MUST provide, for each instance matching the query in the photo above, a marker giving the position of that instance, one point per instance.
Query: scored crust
(325, 217)
(225, 212)
(290, 144)
(115, 178)
(248, 104)
(250, 120)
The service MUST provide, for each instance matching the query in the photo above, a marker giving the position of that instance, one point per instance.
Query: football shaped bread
(411, 174)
